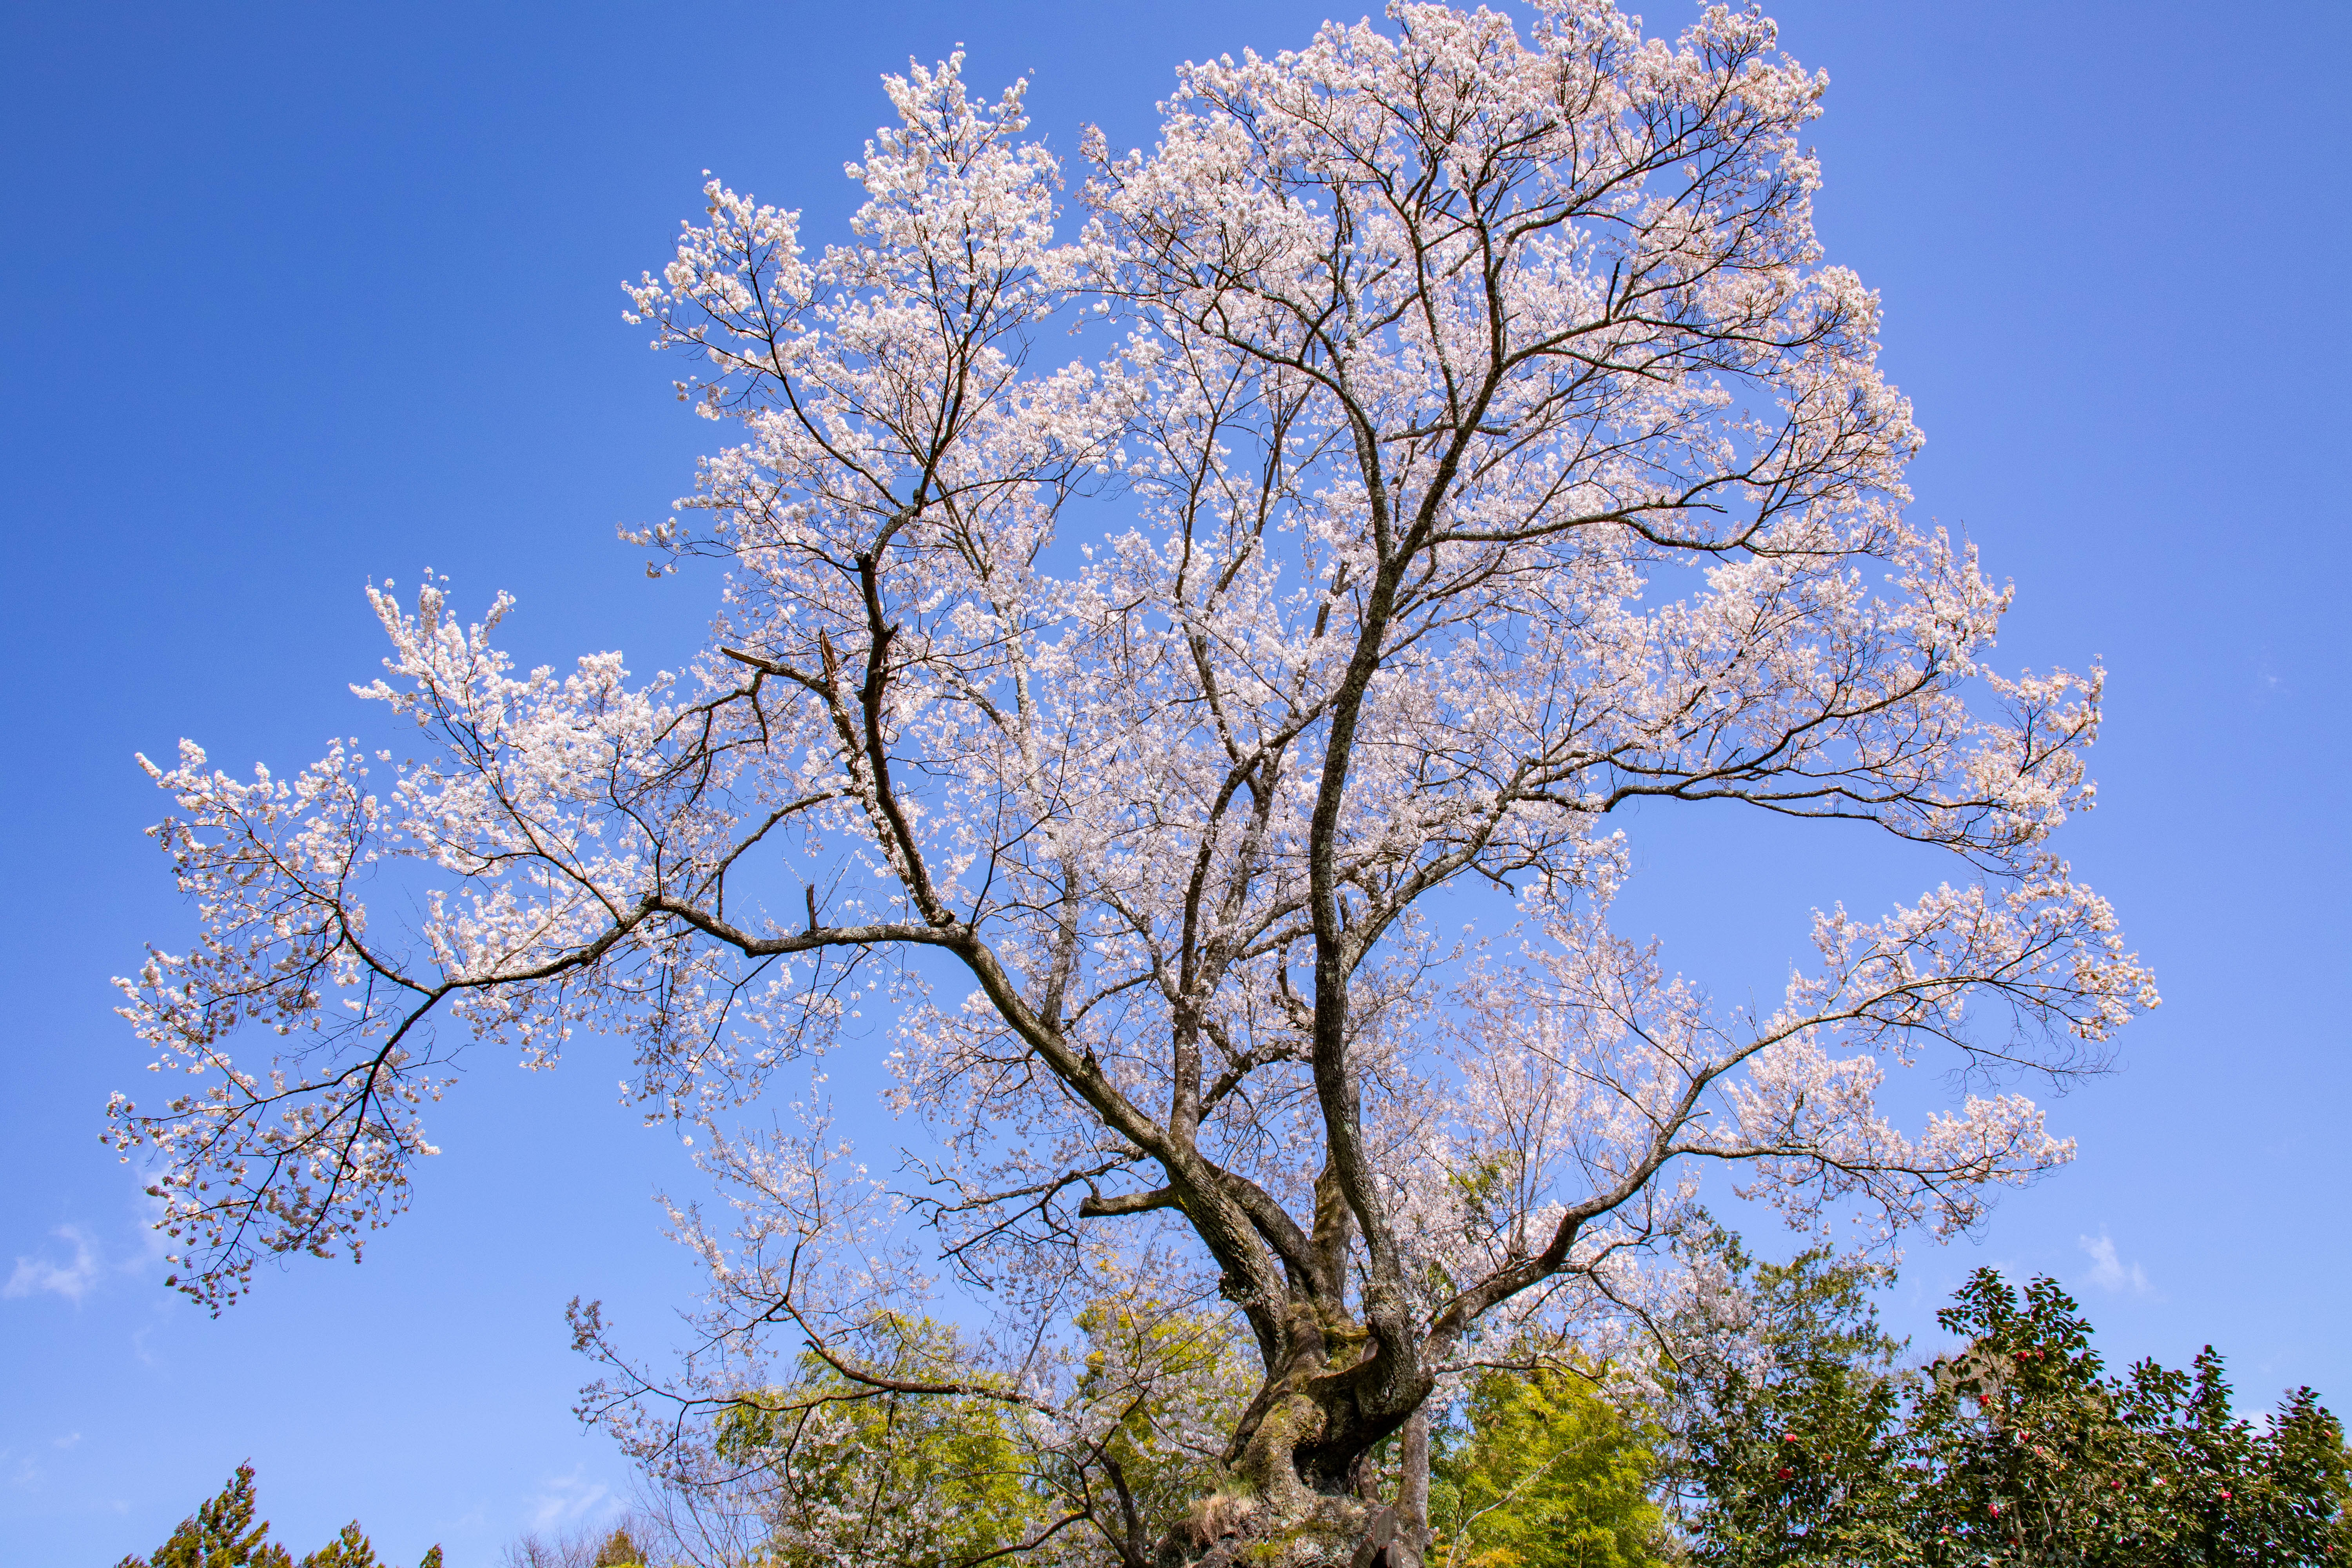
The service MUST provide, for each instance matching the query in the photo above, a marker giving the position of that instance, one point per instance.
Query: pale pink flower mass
(1148, 589)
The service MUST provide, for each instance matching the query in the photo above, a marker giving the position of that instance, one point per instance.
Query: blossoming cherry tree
(1465, 442)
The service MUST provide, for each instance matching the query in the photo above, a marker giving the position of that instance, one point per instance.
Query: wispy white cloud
(142, 1252)
(72, 1280)
(2109, 1272)
(153, 1243)
(568, 1499)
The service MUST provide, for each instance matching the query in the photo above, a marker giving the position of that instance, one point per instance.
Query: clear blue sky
(304, 295)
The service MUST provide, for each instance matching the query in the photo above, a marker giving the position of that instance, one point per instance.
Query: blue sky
(304, 296)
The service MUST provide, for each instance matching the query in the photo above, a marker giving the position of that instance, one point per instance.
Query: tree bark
(1412, 1485)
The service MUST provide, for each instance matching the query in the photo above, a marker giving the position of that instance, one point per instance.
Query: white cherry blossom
(1148, 591)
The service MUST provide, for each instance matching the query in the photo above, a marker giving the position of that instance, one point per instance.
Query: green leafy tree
(881, 1475)
(1784, 1411)
(881, 1453)
(2215, 1488)
(222, 1533)
(1546, 1473)
(1160, 1385)
(2033, 1456)
(1795, 1439)
(2028, 1450)
(619, 1550)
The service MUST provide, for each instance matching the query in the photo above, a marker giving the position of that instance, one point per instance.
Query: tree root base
(1230, 1531)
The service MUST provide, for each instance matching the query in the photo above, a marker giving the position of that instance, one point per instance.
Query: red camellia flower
(1783, 1473)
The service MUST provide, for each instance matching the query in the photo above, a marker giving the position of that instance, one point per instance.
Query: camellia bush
(1156, 598)
(1801, 1438)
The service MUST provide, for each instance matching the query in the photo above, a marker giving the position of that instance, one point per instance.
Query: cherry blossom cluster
(1149, 614)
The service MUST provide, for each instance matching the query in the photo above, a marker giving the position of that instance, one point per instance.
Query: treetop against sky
(1166, 680)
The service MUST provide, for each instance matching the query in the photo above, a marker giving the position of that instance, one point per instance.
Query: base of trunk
(1229, 1529)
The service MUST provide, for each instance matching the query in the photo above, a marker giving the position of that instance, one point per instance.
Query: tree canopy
(1466, 443)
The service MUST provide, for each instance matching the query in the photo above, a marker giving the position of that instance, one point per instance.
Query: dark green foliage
(2030, 1453)
(2027, 1452)
(2226, 1491)
(222, 1534)
(348, 1550)
(1786, 1416)
(1796, 1440)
